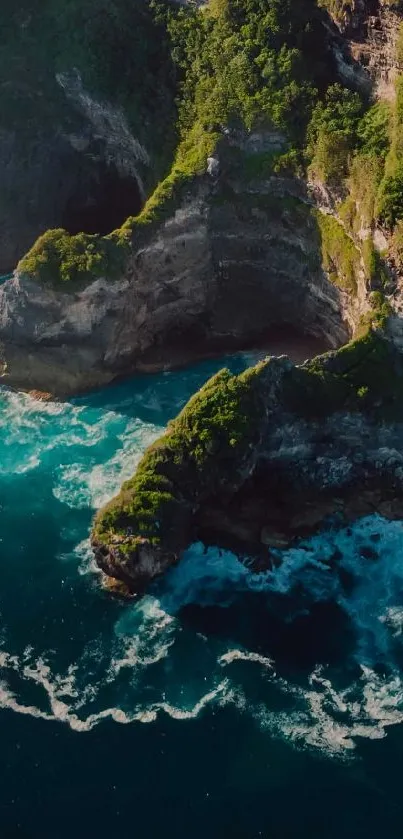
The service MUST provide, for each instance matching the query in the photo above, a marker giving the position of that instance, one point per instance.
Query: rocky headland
(239, 236)
(258, 460)
(235, 173)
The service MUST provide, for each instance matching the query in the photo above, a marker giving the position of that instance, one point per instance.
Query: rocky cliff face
(369, 31)
(295, 447)
(235, 260)
(244, 249)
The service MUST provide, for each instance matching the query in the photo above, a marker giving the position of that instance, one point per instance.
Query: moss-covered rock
(206, 450)
(366, 375)
(341, 258)
(65, 261)
(228, 431)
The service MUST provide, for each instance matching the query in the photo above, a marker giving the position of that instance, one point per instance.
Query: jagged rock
(366, 55)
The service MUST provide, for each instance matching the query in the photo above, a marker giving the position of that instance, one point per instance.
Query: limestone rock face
(267, 256)
(215, 275)
(370, 30)
(66, 342)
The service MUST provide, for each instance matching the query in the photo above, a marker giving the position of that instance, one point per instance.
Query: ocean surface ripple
(310, 653)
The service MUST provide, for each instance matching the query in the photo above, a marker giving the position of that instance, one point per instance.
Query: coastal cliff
(258, 460)
(255, 226)
(236, 260)
(253, 184)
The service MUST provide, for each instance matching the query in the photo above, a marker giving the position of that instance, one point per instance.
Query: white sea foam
(146, 662)
(58, 688)
(31, 431)
(147, 639)
(85, 556)
(79, 486)
(322, 716)
(243, 655)
(144, 637)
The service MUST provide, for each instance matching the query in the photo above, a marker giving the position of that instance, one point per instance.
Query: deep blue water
(224, 703)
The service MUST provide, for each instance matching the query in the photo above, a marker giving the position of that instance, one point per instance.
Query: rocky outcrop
(236, 259)
(244, 247)
(367, 54)
(255, 461)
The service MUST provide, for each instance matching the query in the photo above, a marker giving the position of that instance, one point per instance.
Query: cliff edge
(277, 203)
(257, 460)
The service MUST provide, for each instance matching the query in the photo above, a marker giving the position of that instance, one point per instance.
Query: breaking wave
(311, 651)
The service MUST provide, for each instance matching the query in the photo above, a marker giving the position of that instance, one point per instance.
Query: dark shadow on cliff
(354, 28)
(102, 201)
(158, 397)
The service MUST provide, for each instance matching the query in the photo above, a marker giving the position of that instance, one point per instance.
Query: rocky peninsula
(234, 173)
(257, 460)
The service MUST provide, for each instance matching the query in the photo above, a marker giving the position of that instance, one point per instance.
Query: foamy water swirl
(69, 653)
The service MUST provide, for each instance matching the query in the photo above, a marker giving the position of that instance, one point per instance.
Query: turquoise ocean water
(222, 704)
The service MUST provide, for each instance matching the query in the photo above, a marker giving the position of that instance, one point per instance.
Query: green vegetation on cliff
(237, 64)
(389, 208)
(350, 147)
(366, 374)
(201, 452)
(218, 437)
(340, 256)
(76, 259)
(355, 147)
(243, 65)
(332, 134)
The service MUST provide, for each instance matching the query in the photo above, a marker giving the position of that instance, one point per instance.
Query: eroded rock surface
(216, 275)
(367, 54)
(256, 461)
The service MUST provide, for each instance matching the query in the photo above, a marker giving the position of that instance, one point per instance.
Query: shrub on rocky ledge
(58, 258)
(202, 451)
